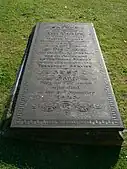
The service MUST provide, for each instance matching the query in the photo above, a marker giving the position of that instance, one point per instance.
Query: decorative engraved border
(65, 123)
(115, 121)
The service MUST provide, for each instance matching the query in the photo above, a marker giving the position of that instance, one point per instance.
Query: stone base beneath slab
(73, 136)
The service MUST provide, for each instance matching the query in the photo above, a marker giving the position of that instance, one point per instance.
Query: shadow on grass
(24, 154)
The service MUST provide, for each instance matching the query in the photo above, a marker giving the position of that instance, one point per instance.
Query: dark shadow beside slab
(57, 156)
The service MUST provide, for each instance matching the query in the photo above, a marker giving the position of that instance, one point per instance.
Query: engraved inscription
(67, 70)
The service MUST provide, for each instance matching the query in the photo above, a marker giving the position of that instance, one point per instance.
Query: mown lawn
(17, 17)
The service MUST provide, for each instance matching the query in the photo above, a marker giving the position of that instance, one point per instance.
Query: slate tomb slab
(65, 83)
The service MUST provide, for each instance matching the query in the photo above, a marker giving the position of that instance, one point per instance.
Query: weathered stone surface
(65, 83)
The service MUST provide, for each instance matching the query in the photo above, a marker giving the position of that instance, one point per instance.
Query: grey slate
(65, 83)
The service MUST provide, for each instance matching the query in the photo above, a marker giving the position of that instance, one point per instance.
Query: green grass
(17, 17)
